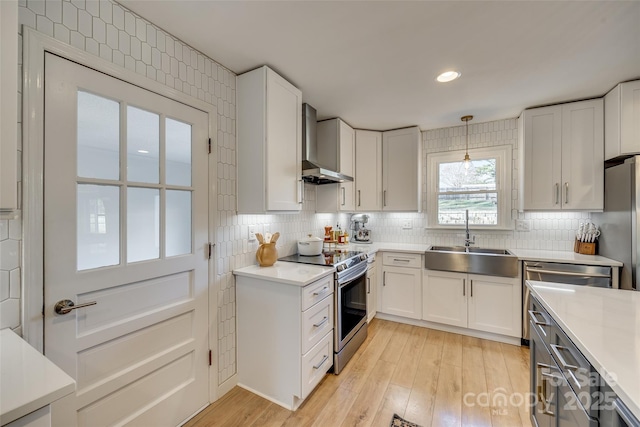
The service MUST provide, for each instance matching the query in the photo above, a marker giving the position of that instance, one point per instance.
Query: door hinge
(209, 145)
(210, 358)
(211, 246)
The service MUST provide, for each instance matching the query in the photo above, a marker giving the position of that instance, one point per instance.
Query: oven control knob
(341, 267)
(363, 257)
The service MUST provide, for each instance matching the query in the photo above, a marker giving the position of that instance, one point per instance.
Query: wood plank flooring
(429, 377)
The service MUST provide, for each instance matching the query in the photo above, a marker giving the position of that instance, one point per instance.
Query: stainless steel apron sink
(486, 261)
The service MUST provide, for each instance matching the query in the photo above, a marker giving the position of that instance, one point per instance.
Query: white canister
(310, 246)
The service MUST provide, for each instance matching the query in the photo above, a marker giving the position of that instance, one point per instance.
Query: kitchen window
(483, 188)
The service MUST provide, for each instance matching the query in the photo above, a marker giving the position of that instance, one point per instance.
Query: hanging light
(467, 159)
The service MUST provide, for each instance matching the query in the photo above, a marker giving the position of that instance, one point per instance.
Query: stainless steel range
(350, 304)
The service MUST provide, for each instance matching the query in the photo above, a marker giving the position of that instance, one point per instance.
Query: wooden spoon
(260, 238)
(275, 236)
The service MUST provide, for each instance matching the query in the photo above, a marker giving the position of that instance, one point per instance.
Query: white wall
(110, 31)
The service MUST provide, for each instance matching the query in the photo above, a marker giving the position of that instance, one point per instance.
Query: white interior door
(125, 201)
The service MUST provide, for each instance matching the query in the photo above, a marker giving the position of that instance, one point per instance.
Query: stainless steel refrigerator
(620, 221)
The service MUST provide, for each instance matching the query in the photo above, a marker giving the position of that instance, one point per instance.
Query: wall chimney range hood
(312, 171)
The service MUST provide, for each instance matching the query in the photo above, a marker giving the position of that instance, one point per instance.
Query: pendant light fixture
(467, 159)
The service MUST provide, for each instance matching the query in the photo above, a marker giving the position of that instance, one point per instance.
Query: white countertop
(563, 256)
(29, 381)
(522, 254)
(605, 326)
(290, 273)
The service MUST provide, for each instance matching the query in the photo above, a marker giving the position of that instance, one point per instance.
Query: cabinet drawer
(316, 363)
(402, 259)
(316, 323)
(316, 291)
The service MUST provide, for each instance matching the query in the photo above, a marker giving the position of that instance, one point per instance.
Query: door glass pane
(98, 137)
(178, 143)
(143, 146)
(483, 208)
(178, 223)
(98, 226)
(143, 224)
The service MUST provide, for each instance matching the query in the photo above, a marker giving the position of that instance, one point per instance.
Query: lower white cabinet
(483, 303)
(444, 298)
(285, 337)
(372, 291)
(401, 284)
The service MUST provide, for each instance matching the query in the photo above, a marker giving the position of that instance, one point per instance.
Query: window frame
(504, 160)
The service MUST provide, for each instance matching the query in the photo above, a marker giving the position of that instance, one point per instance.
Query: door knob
(65, 306)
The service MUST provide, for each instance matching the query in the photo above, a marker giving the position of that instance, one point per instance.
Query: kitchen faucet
(468, 239)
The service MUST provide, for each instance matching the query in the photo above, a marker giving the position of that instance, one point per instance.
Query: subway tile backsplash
(106, 29)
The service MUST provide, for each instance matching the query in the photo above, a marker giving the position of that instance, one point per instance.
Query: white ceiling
(374, 63)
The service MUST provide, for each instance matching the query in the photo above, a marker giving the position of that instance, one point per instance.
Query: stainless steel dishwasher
(555, 272)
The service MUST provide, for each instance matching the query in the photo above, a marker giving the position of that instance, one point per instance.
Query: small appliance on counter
(361, 234)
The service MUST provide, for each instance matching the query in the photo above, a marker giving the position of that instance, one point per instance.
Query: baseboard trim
(453, 329)
(227, 386)
(271, 399)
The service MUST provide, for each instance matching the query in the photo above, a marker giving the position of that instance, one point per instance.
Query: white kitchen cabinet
(269, 123)
(368, 176)
(8, 104)
(495, 304)
(401, 170)
(562, 157)
(285, 337)
(401, 287)
(372, 290)
(444, 298)
(622, 120)
(339, 197)
(483, 303)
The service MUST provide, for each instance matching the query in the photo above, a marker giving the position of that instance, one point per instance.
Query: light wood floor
(421, 374)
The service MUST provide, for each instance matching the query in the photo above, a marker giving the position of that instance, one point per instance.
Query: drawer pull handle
(402, 259)
(623, 412)
(321, 292)
(464, 285)
(324, 359)
(325, 320)
(556, 349)
(532, 315)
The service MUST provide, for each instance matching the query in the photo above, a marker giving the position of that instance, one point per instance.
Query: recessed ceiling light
(143, 151)
(448, 76)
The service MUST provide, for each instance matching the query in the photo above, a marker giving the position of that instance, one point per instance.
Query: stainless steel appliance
(554, 272)
(312, 171)
(361, 234)
(620, 221)
(350, 304)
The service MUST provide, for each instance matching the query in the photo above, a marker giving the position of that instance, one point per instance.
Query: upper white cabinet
(622, 120)
(368, 179)
(562, 157)
(342, 139)
(401, 171)
(8, 104)
(269, 143)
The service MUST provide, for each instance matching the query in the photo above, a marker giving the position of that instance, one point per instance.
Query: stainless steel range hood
(312, 171)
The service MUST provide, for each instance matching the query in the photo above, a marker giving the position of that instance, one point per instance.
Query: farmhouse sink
(486, 261)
